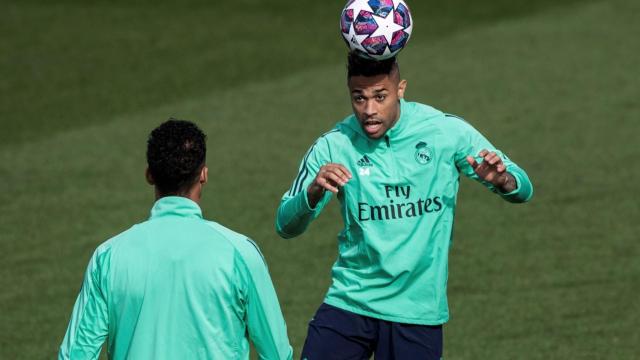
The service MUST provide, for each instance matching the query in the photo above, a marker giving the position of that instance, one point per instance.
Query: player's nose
(370, 109)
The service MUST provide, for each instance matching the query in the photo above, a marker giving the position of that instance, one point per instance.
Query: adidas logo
(365, 162)
(364, 166)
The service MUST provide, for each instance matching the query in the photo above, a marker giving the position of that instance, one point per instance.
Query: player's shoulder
(457, 125)
(448, 124)
(102, 254)
(421, 110)
(243, 246)
(442, 119)
(334, 136)
(223, 231)
(113, 241)
(420, 116)
(456, 119)
(338, 136)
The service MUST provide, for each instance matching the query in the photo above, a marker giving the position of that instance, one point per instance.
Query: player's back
(174, 287)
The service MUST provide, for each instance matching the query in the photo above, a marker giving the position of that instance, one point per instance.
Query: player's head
(176, 153)
(376, 89)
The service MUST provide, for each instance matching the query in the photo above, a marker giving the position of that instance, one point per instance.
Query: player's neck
(194, 194)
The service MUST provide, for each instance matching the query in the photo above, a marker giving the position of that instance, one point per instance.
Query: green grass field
(555, 85)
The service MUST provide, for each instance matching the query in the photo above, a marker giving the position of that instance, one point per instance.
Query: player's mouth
(372, 127)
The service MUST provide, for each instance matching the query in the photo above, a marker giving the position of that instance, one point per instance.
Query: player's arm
(311, 190)
(330, 178)
(492, 169)
(88, 326)
(265, 323)
(478, 159)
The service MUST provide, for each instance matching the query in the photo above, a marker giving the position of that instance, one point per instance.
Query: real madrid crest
(424, 154)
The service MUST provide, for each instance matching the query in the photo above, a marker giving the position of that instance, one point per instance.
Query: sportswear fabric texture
(398, 210)
(336, 334)
(176, 287)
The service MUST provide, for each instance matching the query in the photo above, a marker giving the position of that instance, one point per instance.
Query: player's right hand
(330, 177)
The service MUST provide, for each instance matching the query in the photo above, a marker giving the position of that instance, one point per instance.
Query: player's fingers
(341, 171)
(321, 177)
(325, 183)
(484, 170)
(483, 152)
(472, 161)
(492, 158)
(501, 168)
(331, 175)
(482, 166)
(344, 170)
(336, 168)
(495, 159)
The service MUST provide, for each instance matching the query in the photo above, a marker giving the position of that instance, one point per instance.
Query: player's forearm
(294, 216)
(273, 344)
(314, 195)
(85, 334)
(510, 184)
(520, 189)
(266, 326)
(88, 326)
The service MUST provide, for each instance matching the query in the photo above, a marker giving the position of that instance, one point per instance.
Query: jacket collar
(175, 206)
(401, 125)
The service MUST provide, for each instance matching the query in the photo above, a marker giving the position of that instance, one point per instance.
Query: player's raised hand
(493, 170)
(330, 177)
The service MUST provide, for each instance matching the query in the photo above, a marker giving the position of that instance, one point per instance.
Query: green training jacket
(177, 287)
(398, 211)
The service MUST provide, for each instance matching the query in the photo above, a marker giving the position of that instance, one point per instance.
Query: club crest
(424, 153)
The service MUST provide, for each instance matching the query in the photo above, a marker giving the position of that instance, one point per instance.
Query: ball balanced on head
(376, 29)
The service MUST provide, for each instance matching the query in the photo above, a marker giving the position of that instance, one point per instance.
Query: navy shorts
(336, 334)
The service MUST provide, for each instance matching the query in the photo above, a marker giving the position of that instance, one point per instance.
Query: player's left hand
(493, 170)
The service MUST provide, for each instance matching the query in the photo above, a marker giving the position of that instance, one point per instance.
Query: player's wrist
(509, 184)
(314, 194)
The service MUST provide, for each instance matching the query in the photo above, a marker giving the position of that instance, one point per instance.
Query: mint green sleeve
(265, 323)
(470, 141)
(294, 213)
(88, 326)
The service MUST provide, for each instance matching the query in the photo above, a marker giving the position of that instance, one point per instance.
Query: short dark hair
(176, 153)
(360, 66)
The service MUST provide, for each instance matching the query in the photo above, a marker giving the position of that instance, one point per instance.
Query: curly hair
(360, 66)
(176, 153)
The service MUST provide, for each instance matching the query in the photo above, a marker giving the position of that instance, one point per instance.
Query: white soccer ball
(376, 29)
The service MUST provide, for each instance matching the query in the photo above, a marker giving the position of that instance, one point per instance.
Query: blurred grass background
(553, 84)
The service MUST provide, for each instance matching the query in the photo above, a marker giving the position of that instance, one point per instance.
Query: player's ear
(204, 175)
(147, 175)
(402, 85)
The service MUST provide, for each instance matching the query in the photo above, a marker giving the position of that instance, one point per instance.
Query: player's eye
(358, 99)
(381, 97)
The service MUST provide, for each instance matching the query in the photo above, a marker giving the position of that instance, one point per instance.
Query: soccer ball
(376, 29)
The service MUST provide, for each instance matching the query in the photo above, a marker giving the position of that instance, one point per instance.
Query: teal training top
(176, 287)
(398, 211)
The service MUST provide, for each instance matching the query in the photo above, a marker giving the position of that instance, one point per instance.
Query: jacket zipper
(392, 163)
